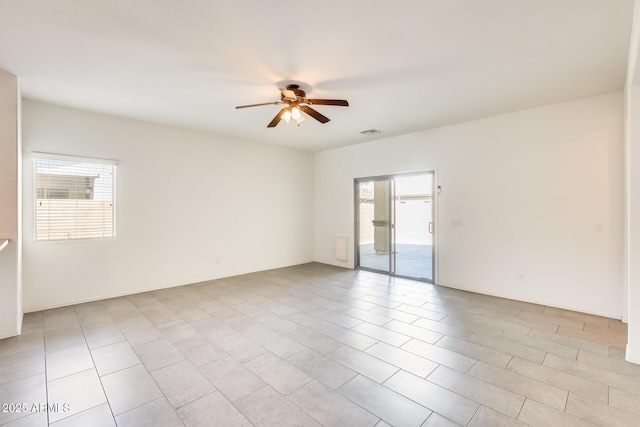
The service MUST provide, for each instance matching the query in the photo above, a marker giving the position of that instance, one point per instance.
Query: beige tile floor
(316, 345)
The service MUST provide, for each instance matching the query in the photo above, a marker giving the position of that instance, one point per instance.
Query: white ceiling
(404, 65)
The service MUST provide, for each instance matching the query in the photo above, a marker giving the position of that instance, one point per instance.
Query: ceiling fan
(297, 103)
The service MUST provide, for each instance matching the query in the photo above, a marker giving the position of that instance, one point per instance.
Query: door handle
(430, 227)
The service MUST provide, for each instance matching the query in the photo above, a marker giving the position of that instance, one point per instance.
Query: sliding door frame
(392, 223)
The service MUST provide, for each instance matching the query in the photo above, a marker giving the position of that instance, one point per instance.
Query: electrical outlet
(520, 277)
(457, 222)
(598, 227)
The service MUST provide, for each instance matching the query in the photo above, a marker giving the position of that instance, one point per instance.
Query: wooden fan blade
(258, 105)
(277, 118)
(340, 102)
(313, 113)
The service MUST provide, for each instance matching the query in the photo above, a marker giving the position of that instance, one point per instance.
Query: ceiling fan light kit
(295, 113)
(297, 104)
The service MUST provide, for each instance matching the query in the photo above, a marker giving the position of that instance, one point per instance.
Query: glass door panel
(413, 226)
(373, 199)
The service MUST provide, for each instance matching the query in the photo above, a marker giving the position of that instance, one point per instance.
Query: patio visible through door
(395, 225)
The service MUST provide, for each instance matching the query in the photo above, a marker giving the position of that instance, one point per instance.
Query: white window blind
(75, 198)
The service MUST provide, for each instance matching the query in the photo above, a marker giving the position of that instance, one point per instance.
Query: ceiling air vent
(371, 132)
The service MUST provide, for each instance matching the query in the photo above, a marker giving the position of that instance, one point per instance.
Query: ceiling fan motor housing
(299, 93)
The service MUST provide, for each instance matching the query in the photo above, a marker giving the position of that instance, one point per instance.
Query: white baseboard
(616, 316)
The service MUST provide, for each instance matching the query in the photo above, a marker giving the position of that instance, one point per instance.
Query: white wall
(632, 261)
(528, 186)
(633, 222)
(184, 199)
(10, 197)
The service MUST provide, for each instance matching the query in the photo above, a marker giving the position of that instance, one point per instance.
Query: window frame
(36, 156)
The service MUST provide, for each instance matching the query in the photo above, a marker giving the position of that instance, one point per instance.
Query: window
(75, 197)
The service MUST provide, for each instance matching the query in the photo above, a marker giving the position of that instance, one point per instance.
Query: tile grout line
(97, 374)
(46, 379)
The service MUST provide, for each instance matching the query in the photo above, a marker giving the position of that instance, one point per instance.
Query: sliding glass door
(395, 225)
